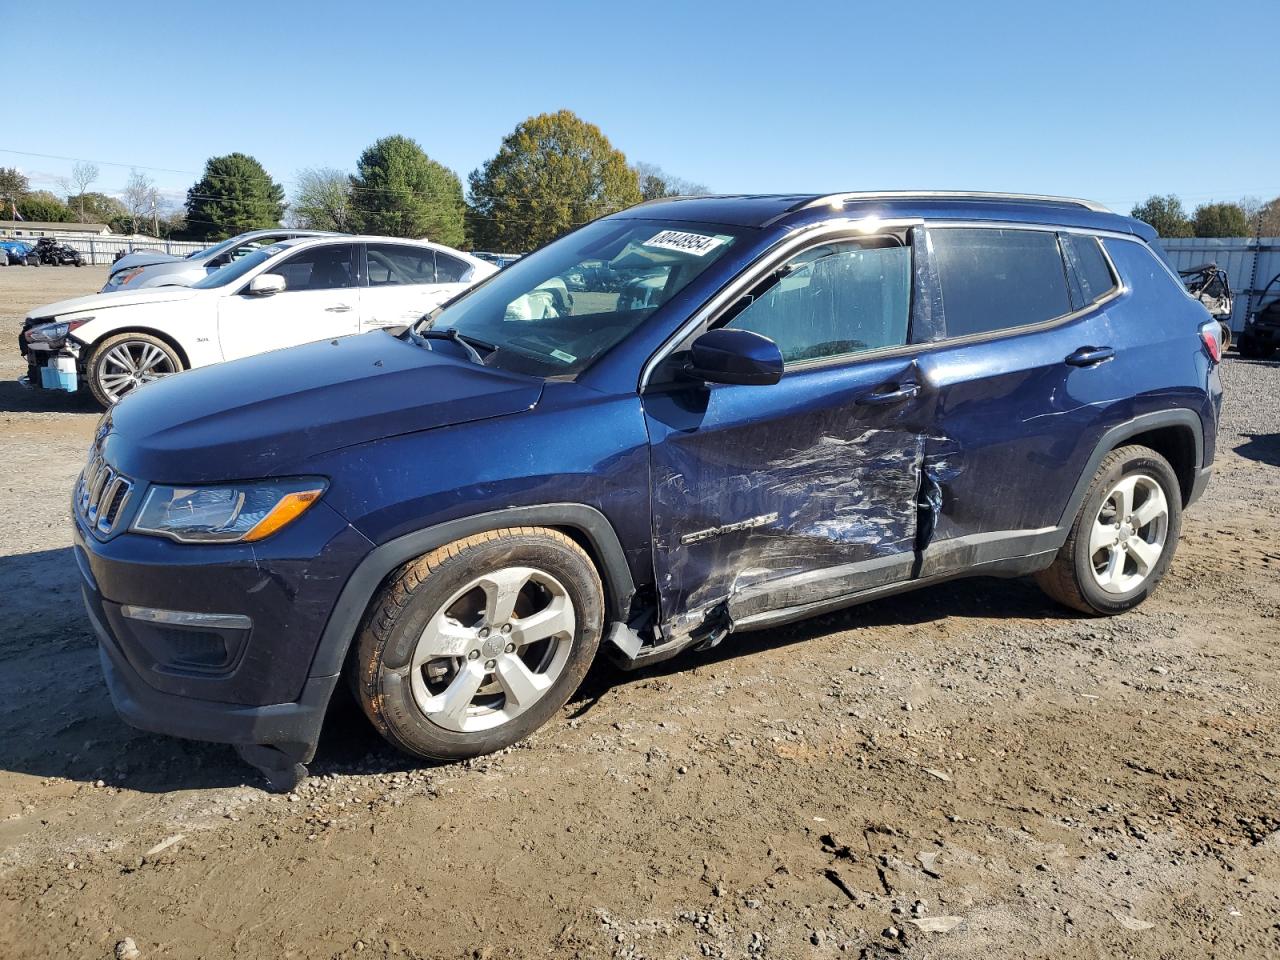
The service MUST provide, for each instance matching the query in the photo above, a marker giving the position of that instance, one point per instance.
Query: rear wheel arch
(1178, 431)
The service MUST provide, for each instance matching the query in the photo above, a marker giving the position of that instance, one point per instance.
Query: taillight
(1209, 334)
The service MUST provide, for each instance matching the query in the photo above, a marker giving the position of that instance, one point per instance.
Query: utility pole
(155, 220)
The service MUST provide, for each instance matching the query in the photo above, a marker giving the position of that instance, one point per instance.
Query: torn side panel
(794, 490)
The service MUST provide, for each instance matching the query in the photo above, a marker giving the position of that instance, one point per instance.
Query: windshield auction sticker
(695, 243)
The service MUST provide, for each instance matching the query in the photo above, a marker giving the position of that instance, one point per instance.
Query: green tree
(322, 201)
(43, 205)
(1165, 214)
(401, 192)
(552, 173)
(1220, 220)
(656, 183)
(14, 185)
(97, 208)
(234, 195)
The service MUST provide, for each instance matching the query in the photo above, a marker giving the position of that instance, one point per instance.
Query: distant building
(36, 228)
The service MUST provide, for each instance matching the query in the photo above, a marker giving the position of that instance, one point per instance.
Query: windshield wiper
(451, 334)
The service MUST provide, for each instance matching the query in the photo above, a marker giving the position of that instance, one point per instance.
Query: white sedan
(296, 291)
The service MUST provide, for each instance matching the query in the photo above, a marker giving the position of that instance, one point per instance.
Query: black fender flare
(1117, 435)
(354, 599)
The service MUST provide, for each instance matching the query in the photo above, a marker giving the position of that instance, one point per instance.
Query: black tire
(94, 366)
(380, 667)
(1226, 337)
(33, 261)
(1070, 579)
(1249, 348)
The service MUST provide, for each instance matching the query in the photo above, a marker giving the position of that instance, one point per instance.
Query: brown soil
(1064, 786)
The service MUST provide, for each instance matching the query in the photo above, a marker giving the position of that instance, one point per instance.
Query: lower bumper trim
(291, 728)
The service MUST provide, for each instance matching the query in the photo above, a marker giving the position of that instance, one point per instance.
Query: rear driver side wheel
(121, 364)
(1123, 538)
(474, 646)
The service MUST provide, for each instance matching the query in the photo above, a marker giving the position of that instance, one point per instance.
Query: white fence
(103, 249)
(1250, 263)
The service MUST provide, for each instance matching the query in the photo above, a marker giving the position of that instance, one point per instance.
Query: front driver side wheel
(1123, 538)
(476, 645)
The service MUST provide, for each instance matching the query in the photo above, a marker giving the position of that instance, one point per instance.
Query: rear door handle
(1090, 356)
(889, 393)
(340, 308)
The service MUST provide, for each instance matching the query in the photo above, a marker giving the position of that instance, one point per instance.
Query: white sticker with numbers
(696, 243)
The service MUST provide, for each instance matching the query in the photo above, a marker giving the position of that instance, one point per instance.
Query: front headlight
(53, 332)
(226, 513)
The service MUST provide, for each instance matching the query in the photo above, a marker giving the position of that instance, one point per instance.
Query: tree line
(552, 173)
(1249, 217)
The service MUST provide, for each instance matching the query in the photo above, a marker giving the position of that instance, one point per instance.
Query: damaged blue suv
(691, 419)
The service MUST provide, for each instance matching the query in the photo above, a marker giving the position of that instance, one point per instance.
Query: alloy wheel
(1128, 535)
(493, 649)
(129, 365)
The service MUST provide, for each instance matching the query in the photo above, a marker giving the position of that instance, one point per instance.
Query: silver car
(151, 268)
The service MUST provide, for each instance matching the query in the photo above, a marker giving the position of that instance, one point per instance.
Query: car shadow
(16, 398)
(1262, 447)
(56, 717)
(966, 598)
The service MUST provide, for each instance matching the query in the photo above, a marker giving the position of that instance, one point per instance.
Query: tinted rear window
(995, 279)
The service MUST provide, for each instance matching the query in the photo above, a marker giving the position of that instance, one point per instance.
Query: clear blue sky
(1112, 101)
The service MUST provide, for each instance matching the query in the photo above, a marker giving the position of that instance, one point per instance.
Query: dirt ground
(969, 771)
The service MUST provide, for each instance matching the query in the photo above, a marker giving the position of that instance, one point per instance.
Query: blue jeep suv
(741, 411)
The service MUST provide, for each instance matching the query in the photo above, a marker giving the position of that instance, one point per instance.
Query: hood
(143, 258)
(263, 415)
(122, 298)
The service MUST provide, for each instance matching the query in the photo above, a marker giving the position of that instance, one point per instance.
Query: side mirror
(266, 285)
(735, 356)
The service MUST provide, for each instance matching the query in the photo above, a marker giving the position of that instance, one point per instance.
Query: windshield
(237, 269)
(554, 312)
(208, 253)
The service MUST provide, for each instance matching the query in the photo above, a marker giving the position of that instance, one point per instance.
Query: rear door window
(996, 279)
(451, 269)
(393, 263)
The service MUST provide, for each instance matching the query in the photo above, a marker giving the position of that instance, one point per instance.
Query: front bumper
(257, 689)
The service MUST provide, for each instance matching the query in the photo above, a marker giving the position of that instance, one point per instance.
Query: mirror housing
(266, 285)
(735, 356)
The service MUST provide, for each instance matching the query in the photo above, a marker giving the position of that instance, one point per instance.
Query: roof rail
(835, 199)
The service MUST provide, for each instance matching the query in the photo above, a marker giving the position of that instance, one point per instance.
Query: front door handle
(1090, 356)
(340, 308)
(889, 393)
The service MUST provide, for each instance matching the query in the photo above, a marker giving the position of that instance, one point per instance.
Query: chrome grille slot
(102, 495)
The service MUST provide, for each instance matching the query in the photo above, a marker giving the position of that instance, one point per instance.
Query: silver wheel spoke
(501, 590)
(443, 637)
(556, 620)
(451, 706)
(1115, 565)
(1154, 508)
(1101, 537)
(1122, 495)
(1144, 554)
(520, 683)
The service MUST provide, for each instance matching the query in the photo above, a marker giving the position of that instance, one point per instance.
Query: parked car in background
(291, 292)
(55, 253)
(152, 268)
(15, 253)
(795, 404)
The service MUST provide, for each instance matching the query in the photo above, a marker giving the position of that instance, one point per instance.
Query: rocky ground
(965, 772)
